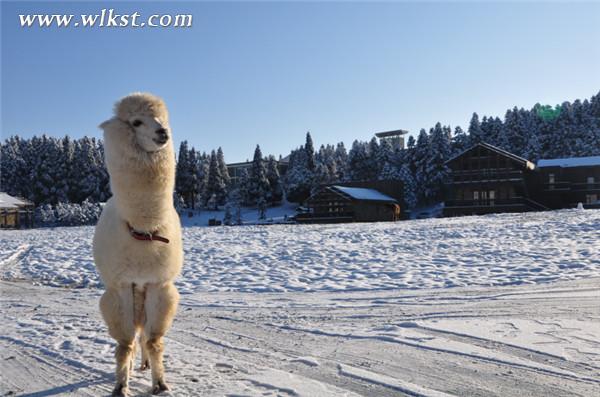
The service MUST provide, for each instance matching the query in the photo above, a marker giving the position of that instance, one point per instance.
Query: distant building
(486, 179)
(563, 183)
(235, 170)
(337, 203)
(396, 138)
(15, 212)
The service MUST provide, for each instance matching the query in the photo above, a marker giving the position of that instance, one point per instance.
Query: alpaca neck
(144, 192)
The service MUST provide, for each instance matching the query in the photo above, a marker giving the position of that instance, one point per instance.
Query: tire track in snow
(536, 368)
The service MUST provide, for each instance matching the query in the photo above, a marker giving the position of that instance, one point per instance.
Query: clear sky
(266, 73)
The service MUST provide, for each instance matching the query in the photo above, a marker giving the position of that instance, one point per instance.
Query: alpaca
(137, 243)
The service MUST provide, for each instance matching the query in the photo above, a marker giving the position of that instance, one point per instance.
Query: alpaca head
(147, 118)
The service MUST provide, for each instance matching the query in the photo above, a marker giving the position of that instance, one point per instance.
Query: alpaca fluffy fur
(140, 298)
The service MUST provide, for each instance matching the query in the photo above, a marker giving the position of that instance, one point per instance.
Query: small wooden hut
(334, 204)
(15, 212)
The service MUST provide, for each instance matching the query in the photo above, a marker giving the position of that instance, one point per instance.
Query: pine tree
(475, 132)
(359, 167)
(276, 193)
(298, 179)
(184, 175)
(409, 186)
(216, 185)
(309, 148)
(223, 168)
(341, 162)
(202, 171)
(460, 141)
(420, 164)
(436, 170)
(259, 184)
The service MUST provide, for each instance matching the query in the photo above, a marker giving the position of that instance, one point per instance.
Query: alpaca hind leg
(145, 358)
(116, 306)
(161, 305)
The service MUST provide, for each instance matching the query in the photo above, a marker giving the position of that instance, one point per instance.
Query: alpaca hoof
(119, 391)
(159, 387)
(145, 365)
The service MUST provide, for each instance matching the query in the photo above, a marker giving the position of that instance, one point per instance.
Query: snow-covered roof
(360, 193)
(8, 201)
(496, 149)
(570, 162)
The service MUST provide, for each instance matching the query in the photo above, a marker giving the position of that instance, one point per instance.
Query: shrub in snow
(68, 214)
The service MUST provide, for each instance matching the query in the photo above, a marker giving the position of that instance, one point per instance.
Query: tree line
(50, 170)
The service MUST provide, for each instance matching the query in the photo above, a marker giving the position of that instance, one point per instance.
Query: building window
(551, 181)
(591, 198)
(590, 181)
(476, 195)
(492, 197)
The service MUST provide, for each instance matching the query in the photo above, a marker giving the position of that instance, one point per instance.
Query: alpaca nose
(162, 135)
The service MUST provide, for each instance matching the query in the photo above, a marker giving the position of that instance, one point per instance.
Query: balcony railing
(517, 201)
(579, 186)
(485, 174)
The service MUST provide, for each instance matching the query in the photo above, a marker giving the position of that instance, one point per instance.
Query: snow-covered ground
(344, 310)
(500, 249)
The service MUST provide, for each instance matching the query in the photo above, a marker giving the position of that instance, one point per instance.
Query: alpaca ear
(105, 124)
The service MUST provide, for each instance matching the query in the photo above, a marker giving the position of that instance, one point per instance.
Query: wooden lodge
(15, 212)
(486, 179)
(564, 183)
(336, 203)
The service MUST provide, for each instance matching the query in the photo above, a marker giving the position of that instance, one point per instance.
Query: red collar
(146, 236)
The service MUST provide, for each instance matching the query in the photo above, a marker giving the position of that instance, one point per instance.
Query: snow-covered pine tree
(11, 166)
(460, 141)
(259, 184)
(298, 179)
(409, 186)
(420, 159)
(201, 170)
(183, 177)
(309, 148)
(475, 132)
(373, 166)
(341, 162)
(359, 167)
(216, 185)
(243, 187)
(223, 168)
(261, 205)
(436, 170)
(385, 158)
(103, 178)
(276, 193)
(194, 184)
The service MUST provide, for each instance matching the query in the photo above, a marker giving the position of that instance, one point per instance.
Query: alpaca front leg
(161, 305)
(116, 306)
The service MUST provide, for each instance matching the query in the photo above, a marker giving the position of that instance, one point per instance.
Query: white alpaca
(137, 243)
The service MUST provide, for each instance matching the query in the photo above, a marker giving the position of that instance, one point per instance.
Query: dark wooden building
(335, 203)
(486, 179)
(15, 212)
(564, 183)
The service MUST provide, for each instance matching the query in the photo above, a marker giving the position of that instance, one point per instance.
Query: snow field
(503, 249)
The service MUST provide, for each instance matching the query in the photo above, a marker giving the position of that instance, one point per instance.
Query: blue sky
(266, 73)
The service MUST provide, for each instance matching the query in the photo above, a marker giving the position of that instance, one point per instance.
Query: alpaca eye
(136, 123)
